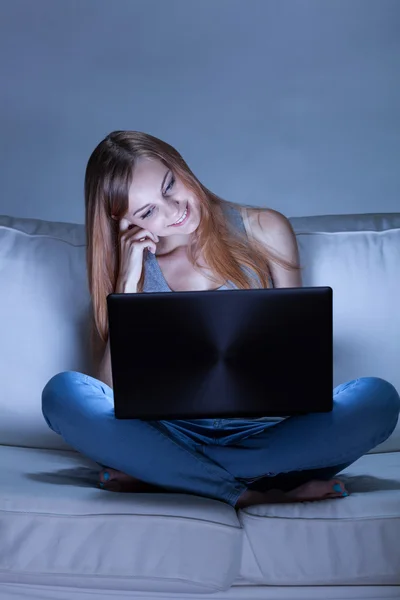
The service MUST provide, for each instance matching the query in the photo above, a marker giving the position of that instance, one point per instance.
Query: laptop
(221, 354)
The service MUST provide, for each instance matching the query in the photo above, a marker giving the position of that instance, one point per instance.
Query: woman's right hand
(133, 241)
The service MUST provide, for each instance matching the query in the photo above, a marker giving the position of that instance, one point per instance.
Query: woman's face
(159, 201)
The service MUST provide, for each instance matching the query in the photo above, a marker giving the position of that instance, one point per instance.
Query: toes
(336, 495)
(338, 488)
(107, 475)
(319, 489)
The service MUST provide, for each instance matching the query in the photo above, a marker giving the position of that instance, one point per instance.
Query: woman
(152, 226)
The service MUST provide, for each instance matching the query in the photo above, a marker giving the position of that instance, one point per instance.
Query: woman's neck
(171, 243)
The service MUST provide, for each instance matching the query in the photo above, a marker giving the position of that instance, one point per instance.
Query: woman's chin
(189, 229)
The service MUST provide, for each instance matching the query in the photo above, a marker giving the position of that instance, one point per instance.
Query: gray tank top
(154, 280)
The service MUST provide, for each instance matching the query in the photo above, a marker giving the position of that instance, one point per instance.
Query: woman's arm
(101, 358)
(104, 371)
(273, 230)
(101, 351)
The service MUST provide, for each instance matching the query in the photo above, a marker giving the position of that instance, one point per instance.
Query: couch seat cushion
(344, 541)
(58, 527)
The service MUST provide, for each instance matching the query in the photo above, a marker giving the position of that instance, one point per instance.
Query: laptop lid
(221, 354)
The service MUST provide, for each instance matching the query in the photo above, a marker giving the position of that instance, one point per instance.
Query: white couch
(61, 537)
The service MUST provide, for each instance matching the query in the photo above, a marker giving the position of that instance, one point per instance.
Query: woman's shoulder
(267, 225)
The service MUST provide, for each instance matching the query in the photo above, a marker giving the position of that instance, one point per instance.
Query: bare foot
(116, 481)
(312, 490)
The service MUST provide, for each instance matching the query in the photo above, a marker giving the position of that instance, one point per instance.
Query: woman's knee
(383, 399)
(58, 392)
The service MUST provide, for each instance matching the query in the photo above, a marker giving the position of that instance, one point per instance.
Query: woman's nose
(173, 210)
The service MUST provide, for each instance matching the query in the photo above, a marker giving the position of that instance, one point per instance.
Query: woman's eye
(149, 212)
(171, 183)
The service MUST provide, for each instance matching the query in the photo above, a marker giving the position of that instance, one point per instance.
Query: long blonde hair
(107, 180)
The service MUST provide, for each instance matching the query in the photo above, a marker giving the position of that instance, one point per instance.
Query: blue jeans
(222, 458)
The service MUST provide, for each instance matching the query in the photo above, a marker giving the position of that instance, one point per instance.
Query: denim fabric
(221, 458)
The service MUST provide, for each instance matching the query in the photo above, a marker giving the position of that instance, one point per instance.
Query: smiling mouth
(183, 218)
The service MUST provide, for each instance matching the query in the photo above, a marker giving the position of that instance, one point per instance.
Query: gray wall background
(292, 104)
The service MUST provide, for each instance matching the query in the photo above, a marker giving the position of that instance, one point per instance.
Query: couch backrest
(45, 308)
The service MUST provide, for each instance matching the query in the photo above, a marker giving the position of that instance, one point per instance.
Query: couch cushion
(359, 257)
(44, 303)
(344, 541)
(57, 527)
